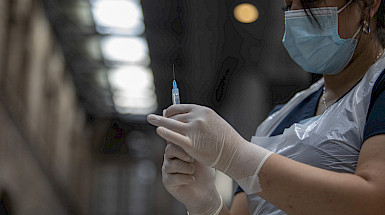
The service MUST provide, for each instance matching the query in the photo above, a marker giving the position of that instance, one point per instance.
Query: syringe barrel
(175, 96)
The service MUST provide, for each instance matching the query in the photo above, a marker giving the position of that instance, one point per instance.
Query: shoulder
(375, 118)
(276, 108)
(377, 90)
(379, 86)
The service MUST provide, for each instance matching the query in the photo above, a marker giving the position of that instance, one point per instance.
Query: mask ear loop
(340, 10)
(357, 32)
(359, 29)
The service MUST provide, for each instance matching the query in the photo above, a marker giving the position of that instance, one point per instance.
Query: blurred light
(125, 49)
(131, 78)
(133, 90)
(146, 172)
(246, 13)
(118, 14)
(132, 84)
(135, 106)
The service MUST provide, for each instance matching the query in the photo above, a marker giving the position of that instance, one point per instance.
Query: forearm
(238, 207)
(297, 188)
(224, 211)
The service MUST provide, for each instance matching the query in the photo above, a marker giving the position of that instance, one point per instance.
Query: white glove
(190, 182)
(207, 137)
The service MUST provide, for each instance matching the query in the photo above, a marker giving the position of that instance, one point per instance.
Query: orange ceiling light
(246, 13)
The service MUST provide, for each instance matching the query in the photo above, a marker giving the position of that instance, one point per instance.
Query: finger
(175, 151)
(185, 118)
(178, 117)
(178, 109)
(174, 137)
(168, 123)
(173, 166)
(171, 180)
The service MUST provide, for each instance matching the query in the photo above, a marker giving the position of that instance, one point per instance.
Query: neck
(366, 53)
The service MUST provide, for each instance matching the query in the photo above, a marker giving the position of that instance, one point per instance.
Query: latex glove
(190, 182)
(207, 137)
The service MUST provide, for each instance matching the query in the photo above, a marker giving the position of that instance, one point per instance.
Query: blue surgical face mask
(318, 48)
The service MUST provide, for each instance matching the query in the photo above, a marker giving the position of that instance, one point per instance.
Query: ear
(374, 8)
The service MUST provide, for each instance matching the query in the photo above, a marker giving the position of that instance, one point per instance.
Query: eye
(287, 7)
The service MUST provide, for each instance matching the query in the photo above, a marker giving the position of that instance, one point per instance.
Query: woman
(321, 153)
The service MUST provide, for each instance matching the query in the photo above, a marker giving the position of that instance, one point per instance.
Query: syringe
(175, 90)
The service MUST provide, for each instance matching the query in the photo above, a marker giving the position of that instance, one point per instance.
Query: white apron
(331, 141)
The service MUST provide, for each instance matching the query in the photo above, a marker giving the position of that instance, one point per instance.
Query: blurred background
(78, 77)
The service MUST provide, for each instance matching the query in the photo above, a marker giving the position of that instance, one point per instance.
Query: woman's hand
(201, 132)
(209, 139)
(189, 181)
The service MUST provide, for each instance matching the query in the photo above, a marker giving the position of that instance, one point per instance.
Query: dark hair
(379, 17)
(381, 23)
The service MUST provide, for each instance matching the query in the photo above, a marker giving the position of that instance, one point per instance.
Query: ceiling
(219, 62)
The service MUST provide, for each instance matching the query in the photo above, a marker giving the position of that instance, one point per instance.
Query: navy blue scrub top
(375, 119)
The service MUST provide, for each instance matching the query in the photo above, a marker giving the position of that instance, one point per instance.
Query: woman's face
(349, 20)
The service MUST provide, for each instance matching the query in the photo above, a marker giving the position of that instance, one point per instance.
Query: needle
(173, 70)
